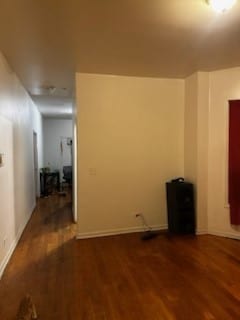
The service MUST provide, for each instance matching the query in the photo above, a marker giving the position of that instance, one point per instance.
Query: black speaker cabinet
(180, 206)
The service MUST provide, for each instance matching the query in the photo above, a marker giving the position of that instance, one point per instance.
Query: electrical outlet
(136, 214)
(4, 242)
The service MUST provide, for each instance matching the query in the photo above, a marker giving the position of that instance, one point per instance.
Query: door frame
(35, 163)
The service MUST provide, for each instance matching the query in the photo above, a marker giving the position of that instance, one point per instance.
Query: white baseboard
(200, 232)
(7, 257)
(224, 234)
(113, 232)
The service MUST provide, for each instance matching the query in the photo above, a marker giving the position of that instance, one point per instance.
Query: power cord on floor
(146, 226)
(148, 232)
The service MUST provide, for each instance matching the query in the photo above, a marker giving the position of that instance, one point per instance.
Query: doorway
(58, 157)
(66, 156)
(234, 161)
(35, 163)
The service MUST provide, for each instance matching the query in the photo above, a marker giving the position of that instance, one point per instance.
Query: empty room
(119, 160)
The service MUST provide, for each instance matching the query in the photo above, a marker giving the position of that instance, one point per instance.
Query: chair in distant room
(67, 174)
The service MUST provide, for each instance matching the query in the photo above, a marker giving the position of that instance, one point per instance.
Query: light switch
(1, 160)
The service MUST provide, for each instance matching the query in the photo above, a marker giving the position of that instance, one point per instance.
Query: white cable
(144, 222)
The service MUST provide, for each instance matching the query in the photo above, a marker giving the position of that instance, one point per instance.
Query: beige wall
(21, 113)
(132, 128)
(190, 128)
(202, 152)
(206, 146)
(224, 86)
(130, 142)
(196, 142)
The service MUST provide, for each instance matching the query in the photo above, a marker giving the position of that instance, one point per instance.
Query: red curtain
(234, 161)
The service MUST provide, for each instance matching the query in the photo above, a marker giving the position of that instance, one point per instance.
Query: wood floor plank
(119, 277)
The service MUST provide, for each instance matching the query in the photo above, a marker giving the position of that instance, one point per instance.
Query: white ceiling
(54, 107)
(46, 42)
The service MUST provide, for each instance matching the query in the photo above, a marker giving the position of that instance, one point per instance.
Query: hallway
(119, 277)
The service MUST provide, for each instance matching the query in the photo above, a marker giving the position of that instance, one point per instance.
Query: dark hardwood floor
(120, 277)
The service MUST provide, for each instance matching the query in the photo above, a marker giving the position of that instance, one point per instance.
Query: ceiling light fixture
(221, 6)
